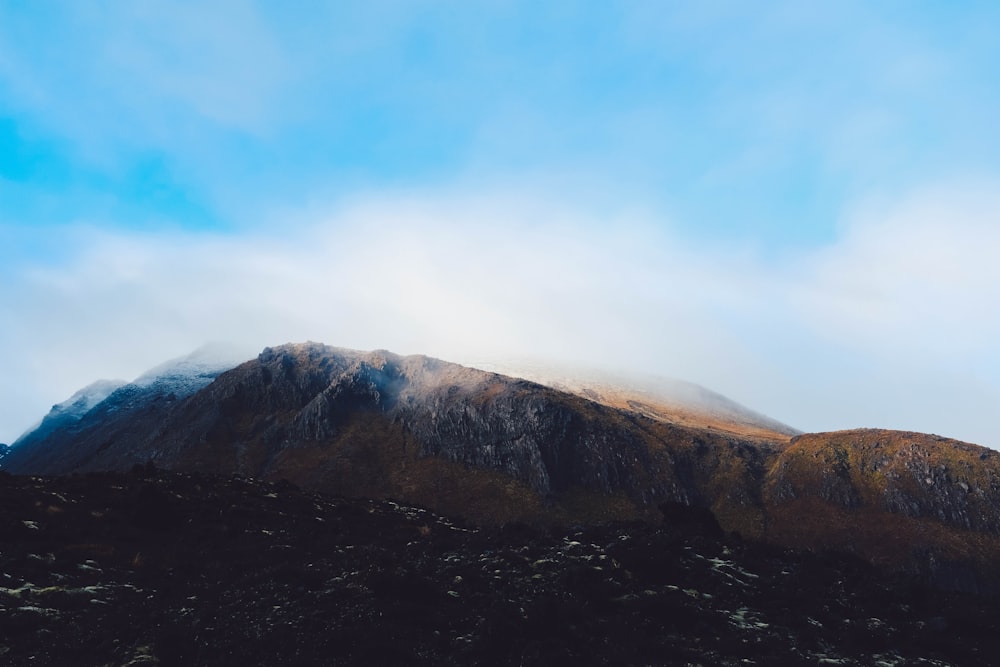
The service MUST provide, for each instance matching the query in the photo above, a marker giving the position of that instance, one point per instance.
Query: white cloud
(891, 325)
(224, 65)
(143, 76)
(916, 278)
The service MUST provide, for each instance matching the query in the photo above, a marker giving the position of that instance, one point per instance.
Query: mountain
(894, 496)
(156, 568)
(125, 409)
(488, 446)
(65, 415)
(496, 449)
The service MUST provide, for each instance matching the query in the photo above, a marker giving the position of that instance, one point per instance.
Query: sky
(794, 204)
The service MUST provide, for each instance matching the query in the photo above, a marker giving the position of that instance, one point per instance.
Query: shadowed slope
(481, 444)
(896, 497)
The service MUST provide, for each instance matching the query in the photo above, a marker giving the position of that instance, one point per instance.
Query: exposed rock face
(911, 474)
(494, 449)
(896, 497)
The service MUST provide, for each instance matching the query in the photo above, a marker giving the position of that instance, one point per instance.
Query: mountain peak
(197, 368)
(71, 410)
(85, 399)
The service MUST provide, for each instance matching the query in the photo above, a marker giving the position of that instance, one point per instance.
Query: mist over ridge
(828, 340)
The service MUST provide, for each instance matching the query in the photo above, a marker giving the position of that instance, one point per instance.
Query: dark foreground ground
(155, 568)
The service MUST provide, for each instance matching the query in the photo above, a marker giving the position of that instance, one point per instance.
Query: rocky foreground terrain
(161, 568)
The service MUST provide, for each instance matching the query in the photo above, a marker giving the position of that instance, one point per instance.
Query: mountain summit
(110, 402)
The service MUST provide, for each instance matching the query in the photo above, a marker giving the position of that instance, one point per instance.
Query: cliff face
(904, 499)
(494, 449)
(365, 424)
(910, 474)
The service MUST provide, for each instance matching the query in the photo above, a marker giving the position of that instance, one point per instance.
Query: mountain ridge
(175, 378)
(664, 399)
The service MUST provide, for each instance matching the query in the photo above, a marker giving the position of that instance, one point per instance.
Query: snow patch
(86, 399)
(186, 375)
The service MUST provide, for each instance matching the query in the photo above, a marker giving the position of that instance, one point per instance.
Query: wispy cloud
(913, 278)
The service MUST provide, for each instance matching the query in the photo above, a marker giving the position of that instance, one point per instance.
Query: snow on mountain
(73, 409)
(176, 378)
(185, 375)
(85, 399)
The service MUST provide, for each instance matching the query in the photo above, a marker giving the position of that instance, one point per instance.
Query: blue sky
(791, 203)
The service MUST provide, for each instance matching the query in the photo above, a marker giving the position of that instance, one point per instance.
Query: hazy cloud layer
(890, 325)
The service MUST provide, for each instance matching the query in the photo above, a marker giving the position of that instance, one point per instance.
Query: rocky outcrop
(910, 474)
(921, 502)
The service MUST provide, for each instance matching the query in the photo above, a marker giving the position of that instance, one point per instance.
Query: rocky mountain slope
(894, 496)
(126, 409)
(663, 399)
(491, 447)
(495, 449)
(688, 405)
(156, 568)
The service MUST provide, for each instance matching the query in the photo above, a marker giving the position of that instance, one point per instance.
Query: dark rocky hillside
(156, 568)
